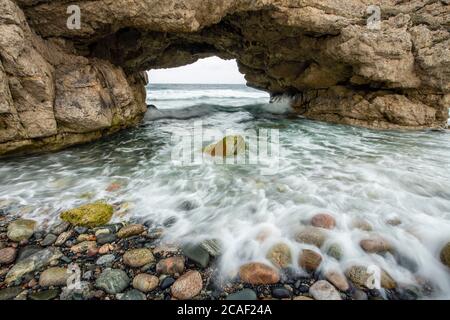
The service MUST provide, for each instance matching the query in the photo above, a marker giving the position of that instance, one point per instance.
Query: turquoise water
(345, 171)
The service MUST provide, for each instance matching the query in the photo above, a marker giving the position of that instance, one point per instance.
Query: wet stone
(323, 220)
(166, 283)
(7, 255)
(133, 295)
(138, 257)
(113, 281)
(59, 228)
(145, 282)
(63, 238)
(358, 294)
(48, 240)
(280, 255)
(245, 294)
(106, 238)
(197, 254)
(21, 229)
(281, 293)
(105, 260)
(9, 293)
(45, 295)
(213, 246)
(187, 286)
(26, 252)
(80, 230)
(323, 290)
(172, 265)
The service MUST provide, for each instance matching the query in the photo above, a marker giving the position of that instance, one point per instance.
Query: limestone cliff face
(62, 86)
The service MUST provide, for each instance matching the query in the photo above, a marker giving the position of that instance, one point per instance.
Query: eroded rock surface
(61, 86)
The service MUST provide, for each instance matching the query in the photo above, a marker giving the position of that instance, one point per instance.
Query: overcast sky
(209, 70)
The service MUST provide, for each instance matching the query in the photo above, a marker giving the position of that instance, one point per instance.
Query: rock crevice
(61, 86)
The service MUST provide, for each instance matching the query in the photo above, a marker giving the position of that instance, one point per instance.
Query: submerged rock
(258, 273)
(63, 237)
(213, 246)
(280, 255)
(375, 245)
(21, 229)
(130, 230)
(363, 278)
(323, 290)
(359, 223)
(323, 220)
(309, 260)
(89, 215)
(335, 251)
(311, 235)
(196, 253)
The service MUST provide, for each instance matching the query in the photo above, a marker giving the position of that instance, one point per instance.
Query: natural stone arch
(62, 86)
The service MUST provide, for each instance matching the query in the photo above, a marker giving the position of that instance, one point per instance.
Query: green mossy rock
(89, 215)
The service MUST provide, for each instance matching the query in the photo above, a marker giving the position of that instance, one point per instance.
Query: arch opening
(208, 82)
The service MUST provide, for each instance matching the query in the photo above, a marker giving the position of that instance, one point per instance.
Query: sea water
(348, 172)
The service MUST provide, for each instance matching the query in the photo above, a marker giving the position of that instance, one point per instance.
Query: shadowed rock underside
(60, 87)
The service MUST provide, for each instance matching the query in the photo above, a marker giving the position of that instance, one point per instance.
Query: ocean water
(350, 173)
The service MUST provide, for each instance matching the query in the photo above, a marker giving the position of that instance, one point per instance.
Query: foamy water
(347, 172)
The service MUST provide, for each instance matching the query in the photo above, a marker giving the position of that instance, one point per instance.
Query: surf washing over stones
(352, 196)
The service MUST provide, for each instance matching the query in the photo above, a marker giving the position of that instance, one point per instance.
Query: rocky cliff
(383, 66)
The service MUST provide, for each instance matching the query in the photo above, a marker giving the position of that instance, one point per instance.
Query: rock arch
(62, 86)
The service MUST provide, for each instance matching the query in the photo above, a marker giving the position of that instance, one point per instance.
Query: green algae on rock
(89, 215)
